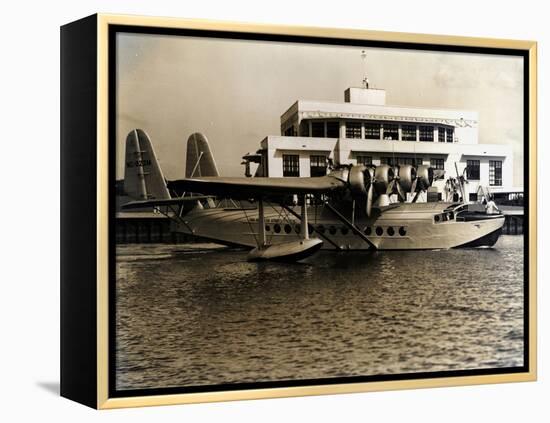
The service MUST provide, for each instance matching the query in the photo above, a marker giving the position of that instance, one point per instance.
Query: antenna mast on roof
(365, 79)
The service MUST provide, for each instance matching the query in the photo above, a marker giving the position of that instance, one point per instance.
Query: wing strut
(351, 226)
(261, 223)
(305, 226)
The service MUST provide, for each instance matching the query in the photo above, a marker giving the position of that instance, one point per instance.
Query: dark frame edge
(78, 129)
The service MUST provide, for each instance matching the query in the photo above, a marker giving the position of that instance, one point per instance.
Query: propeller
(369, 182)
(370, 190)
(383, 177)
(403, 175)
(361, 182)
(423, 180)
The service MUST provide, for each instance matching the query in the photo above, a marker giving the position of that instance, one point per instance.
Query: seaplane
(291, 218)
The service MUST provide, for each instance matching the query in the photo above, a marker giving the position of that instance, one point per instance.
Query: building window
(495, 173)
(426, 133)
(388, 161)
(408, 132)
(364, 160)
(472, 169)
(304, 128)
(391, 131)
(450, 133)
(445, 134)
(333, 129)
(291, 165)
(394, 161)
(317, 129)
(290, 131)
(317, 165)
(437, 163)
(353, 129)
(372, 131)
(441, 134)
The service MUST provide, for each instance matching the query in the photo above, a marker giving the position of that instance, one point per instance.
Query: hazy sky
(235, 91)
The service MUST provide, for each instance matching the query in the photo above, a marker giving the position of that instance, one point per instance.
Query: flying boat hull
(419, 226)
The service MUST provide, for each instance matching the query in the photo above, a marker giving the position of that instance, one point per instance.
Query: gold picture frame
(85, 309)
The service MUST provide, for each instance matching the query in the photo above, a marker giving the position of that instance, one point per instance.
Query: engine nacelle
(407, 174)
(383, 175)
(425, 175)
(359, 180)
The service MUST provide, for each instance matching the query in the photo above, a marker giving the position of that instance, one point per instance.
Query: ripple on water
(191, 315)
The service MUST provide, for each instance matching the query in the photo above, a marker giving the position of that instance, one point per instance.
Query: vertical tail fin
(143, 178)
(200, 161)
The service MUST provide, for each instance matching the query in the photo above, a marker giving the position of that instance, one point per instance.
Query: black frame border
(113, 30)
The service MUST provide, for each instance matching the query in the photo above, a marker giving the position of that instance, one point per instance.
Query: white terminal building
(364, 130)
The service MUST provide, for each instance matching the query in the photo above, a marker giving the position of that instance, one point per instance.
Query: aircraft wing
(163, 202)
(245, 188)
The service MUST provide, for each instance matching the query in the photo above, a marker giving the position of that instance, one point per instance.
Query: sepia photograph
(294, 212)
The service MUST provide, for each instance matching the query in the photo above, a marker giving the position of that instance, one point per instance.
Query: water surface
(191, 315)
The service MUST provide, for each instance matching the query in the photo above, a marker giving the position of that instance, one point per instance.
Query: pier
(513, 223)
(146, 228)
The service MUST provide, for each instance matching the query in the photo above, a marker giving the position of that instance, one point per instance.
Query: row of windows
(333, 230)
(396, 161)
(375, 131)
(318, 165)
(390, 231)
(495, 171)
(364, 160)
(329, 129)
